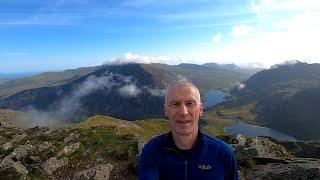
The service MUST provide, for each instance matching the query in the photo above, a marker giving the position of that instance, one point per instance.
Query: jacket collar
(169, 143)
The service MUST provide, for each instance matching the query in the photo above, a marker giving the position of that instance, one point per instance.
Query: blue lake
(253, 131)
(214, 97)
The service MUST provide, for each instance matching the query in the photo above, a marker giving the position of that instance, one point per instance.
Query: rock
(71, 137)
(53, 164)
(71, 148)
(241, 140)
(98, 172)
(6, 146)
(267, 148)
(44, 146)
(23, 151)
(244, 153)
(11, 169)
(298, 168)
(35, 159)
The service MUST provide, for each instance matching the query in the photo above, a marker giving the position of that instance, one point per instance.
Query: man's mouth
(183, 121)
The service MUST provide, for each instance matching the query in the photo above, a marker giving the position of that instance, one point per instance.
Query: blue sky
(51, 35)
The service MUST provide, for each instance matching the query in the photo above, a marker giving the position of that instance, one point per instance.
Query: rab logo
(204, 167)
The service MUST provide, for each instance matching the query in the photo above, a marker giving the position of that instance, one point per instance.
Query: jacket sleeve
(148, 168)
(231, 168)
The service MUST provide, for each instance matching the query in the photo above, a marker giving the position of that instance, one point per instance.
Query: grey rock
(71, 148)
(295, 169)
(71, 137)
(97, 172)
(267, 148)
(241, 140)
(23, 151)
(6, 146)
(52, 164)
(44, 146)
(12, 169)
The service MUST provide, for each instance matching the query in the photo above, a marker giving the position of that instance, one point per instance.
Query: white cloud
(15, 53)
(130, 90)
(217, 38)
(135, 58)
(267, 6)
(241, 30)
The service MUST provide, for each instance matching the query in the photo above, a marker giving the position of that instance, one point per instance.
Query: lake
(253, 131)
(214, 97)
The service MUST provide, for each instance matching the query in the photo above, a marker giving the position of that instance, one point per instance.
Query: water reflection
(253, 131)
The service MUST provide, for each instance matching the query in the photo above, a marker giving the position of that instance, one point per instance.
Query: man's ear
(201, 109)
(165, 110)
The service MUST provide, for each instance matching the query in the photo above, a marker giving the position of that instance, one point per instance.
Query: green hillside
(46, 79)
(285, 98)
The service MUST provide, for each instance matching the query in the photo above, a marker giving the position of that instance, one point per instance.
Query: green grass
(144, 129)
(222, 117)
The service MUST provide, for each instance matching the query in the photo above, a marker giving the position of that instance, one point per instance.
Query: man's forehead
(183, 92)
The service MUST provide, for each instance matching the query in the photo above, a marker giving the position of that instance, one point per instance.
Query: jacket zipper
(185, 162)
(185, 170)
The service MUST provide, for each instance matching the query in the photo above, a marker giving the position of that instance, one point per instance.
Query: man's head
(183, 107)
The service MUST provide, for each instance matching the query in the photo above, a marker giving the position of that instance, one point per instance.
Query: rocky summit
(111, 151)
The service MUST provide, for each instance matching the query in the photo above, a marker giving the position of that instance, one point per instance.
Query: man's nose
(183, 110)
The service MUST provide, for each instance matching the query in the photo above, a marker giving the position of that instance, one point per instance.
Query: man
(185, 152)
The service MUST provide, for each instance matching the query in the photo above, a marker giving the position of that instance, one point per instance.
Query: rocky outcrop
(23, 151)
(71, 148)
(53, 164)
(102, 153)
(11, 169)
(296, 168)
(98, 172)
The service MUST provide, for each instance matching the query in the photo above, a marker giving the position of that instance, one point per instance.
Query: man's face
(183, 109)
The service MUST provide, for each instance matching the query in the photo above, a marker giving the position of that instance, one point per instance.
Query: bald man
(185, 152)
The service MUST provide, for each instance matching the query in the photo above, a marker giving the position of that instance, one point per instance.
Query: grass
(221, 117)
(144, 129)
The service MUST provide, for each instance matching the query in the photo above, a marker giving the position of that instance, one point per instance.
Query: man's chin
(183, 132)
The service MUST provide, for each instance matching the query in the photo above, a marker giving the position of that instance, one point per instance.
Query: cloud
(69, 107)
(15, 53)
(156, 92)
(130, 90)
(217, 38)
(267, 6)
(241, 30)
(135, 58)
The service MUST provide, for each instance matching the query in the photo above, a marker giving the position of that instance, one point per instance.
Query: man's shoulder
(218, 145)
(155, 143)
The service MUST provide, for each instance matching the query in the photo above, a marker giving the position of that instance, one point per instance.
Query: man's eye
(191, 104)
(174, 104)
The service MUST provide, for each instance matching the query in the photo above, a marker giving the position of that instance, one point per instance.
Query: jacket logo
(204, 167)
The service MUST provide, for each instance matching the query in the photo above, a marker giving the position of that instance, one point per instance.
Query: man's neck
(185, 142)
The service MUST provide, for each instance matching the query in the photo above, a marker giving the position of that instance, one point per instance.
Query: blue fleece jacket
(210, 158)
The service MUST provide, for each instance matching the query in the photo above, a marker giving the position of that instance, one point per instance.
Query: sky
(52, 35)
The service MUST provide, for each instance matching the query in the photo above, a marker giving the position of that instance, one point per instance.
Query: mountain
(3, 80)
(46, 79)
(285, 97)
(233, 67)
(131, 91)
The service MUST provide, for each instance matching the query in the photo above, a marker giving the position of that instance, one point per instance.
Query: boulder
(297, 169)
(6, 146)
(259, 146)
(52, 164)
(71, 148)
(44, 146)
(97, 172)
(11, 169)
(71, 137)
(23, 151)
